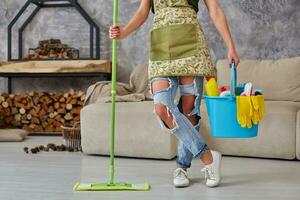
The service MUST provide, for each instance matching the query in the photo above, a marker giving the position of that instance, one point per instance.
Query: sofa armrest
(298, 135)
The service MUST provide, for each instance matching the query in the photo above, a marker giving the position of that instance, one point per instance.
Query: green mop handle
(113, 96)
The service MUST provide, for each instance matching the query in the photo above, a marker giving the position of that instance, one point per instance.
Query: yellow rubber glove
(244, 111)
(256, 115)
(259, 110)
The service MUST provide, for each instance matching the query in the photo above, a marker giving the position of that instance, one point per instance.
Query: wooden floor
(51, 176)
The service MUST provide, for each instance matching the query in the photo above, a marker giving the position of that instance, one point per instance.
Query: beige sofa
(138, 133)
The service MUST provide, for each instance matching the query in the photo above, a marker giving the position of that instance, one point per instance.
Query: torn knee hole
(188, 104)
(160, 85)
(188, 80)
(197, 118)
(188, 88)
(164, 113)
(194, 119)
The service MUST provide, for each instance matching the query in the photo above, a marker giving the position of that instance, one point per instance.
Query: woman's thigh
(167, 86)
(163, 90)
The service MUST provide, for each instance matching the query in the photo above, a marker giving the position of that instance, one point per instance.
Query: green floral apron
(178, 46)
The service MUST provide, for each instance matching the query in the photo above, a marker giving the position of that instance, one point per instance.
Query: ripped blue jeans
(190, 143)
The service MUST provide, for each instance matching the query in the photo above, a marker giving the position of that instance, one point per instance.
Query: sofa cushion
(276, 135)
(279, 79)
(137, 131)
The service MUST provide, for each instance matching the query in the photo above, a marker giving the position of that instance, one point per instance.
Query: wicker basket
(71, 135)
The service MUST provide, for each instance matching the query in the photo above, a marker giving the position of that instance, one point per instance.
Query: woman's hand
(232, 55)
(116, 32)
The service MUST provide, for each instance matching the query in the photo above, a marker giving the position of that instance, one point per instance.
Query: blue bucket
(222, 114)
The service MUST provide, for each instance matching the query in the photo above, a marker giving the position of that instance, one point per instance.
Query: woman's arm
(219, 19)
(140, 16)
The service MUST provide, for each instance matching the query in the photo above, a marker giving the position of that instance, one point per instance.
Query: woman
(180, 58)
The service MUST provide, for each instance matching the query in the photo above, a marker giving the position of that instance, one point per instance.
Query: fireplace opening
(61, 51)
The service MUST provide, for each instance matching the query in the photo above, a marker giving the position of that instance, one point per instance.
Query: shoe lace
(209, 174)
(180, 173)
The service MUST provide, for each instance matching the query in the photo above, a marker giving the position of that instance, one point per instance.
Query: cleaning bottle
(211, 87)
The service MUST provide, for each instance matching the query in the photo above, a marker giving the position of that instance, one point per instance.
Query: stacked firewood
(52, 49)
(40, 111)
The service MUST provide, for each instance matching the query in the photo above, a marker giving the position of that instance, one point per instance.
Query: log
(72, 92)
(18, 117)
(31, 94)
(33, 112)
(77, 118)
(26, 127)
(36, 98)
(66, 95)
(69, 106)
(35, 128)
(79, 94)
(37, 108)
(42, 112)
(50, 109)
(50, 128)
(62, 100)
(4, 104)
(56, 105)
(51, 121)
(73, 101)
(63, 105)
(7, 111)
(75, 111)
(68, 116)
(44, 124)
(45, 106)
(19, 104)
(22, 111)
(8, 119)
(53, 114)
(35, 120)
(14, 110)
(61, 111)
(25, 122)
(29, 117)
(10, 102)
(58, 129)
(2, 98)
(82, 98)
(80, 103)
(16, 123)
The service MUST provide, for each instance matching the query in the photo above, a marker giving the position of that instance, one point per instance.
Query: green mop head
(111, 187)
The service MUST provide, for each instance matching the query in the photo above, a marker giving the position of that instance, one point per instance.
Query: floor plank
(51, 176)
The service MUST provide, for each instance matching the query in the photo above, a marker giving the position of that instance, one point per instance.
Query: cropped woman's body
(179, 59)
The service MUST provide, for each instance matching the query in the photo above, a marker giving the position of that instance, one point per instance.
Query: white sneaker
(180, 178)
(213, 171)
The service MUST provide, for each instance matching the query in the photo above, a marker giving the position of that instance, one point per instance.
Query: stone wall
(262, 29)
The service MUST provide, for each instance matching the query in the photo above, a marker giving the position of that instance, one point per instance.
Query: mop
(111, 185)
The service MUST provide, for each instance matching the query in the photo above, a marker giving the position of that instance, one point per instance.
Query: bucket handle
(233, 79)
